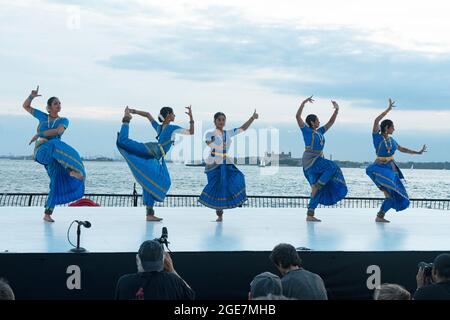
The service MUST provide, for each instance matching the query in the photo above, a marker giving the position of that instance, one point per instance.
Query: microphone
(85, 224)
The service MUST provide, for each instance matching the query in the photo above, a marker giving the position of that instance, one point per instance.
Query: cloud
(338, 63)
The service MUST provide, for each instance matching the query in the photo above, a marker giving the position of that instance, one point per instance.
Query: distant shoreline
(343, 164)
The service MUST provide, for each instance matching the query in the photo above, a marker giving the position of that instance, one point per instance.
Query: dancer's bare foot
(378, 219)
(153, 218)
(48, 218)
(127, 115)
(312, 219)
(76, 175)
(219, 219)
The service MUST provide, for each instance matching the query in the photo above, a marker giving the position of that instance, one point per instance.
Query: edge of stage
(243, 229)
(34, 257)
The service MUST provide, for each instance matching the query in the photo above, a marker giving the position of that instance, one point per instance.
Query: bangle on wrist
(191, 121)
(30, 97)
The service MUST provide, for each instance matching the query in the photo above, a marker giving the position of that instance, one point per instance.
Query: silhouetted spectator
(156, 278)
(389, 291)
(6, 293)
(297, 282)
(265, 284)
(439, 289)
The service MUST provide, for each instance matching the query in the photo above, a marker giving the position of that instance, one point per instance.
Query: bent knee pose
(325, 177)
(62, 163)
(146, 160)
(226, 184)
(384, 172)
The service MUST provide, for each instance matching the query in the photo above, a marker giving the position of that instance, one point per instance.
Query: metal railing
(183, 200)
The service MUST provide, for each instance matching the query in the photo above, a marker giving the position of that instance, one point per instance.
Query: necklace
(388, 146)
(320, 137)
(53, 123)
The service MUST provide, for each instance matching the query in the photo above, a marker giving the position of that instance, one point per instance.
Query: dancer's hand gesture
(189, 112)
(35, 93)
(424, 149)
(310, 100)
(35, 137)
(335, 105)
(255, 115)
(391, 104)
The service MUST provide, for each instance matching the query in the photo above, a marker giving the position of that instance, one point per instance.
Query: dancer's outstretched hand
(255, 115)
(189, 111)
(391, 104)
(35, 137)
(309, 99)
(335, 105)
(35, 93)
(424, 149)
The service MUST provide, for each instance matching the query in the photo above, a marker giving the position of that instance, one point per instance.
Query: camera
(427, 267)
(164, 237)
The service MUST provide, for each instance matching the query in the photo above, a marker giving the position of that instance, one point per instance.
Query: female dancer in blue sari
(384, 172)
(325, 177)
(226, 184)
(62, 163)
(146, 160)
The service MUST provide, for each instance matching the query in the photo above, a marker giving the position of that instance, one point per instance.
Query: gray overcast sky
(233, 56)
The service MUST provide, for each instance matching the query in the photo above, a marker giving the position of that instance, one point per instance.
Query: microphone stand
(78, 249)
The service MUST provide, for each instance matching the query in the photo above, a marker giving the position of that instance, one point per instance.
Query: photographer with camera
(156, 278)
(433, 279)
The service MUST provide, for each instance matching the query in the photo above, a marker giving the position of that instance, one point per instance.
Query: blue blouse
(45, 123)
(314, 139)
(384, 147)
(166, 135)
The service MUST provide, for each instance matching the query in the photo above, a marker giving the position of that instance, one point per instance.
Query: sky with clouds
(233, 56)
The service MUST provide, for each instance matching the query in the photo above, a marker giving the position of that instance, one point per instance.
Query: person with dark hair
(297, 282)
(438, 287)
(62, 163)
(146, 160)
(226, 184)
(156, 278)
(324, 176)
(384, 172)
(6, 293)
(389, 291)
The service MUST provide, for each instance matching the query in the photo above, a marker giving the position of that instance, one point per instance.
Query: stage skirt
(151, 174)
(329, 175)
(225, 188)
(387, 176)
(59, 159)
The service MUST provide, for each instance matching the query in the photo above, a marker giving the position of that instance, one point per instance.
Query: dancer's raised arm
(191, 119)
(298, 116)
(27, 103)
(406, 150)
(144, 114)
(376, 122)
(330, 122)
(247, 124)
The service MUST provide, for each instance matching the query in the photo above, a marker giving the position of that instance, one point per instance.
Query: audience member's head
(150, 256)
(285, 258)
(389, 291)
(6, 293)
(441, 268)
(265, 284)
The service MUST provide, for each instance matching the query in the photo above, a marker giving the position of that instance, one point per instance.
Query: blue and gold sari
(226, 183)
(386, 175)
(146, 160)
(319, 170)
(59, 159)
